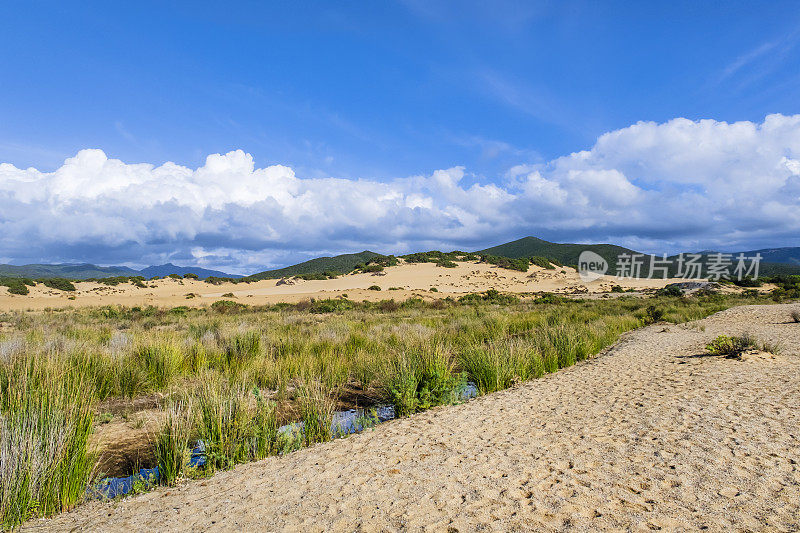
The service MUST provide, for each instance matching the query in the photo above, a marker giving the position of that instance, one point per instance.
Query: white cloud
(680, 184)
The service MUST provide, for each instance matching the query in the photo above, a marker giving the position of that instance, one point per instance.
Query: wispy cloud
(759, 61)
(534, 101)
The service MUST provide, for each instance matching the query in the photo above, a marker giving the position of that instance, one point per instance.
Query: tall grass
(246, 372)
(171, 444)
(45, 459)
(418, 378)
(316, 412)
(222, 425)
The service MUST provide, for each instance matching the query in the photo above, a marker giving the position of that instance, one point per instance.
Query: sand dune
(408, 280)
(651, 435)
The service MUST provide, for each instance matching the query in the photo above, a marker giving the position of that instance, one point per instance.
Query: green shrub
(653, 314)
(731, 347)
(15, 285)
(507, 263)
(331, 305)
(446, 264)
(542, 262)
(226, 307)
(670, 290)
(191, 276)
(491, 296)
(373, 288)
(60, 284)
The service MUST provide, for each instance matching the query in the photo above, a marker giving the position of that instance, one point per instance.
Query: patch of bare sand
(651, 435)
(407, 280)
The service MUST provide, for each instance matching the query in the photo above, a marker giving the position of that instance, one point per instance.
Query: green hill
(339, 263)
(566, 254)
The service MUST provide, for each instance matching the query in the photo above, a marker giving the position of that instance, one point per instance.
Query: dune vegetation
(230, 375)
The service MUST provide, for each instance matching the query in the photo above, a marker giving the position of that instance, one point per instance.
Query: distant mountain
(789, 256)
(86, 270)
(169, 268)
(339, 263)
(776, 261)
(65, 270)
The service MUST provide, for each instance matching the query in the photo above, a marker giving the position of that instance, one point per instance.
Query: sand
(412, 280)
(651, 435)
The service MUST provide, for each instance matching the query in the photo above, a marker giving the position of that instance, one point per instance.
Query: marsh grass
(45, 459)
(417, 379)
(317, 404)
(171, 444)
(245, 370)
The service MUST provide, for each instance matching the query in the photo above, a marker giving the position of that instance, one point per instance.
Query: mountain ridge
(78, 271)
(781, 260)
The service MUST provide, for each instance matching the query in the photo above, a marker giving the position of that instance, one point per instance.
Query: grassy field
(231, 375)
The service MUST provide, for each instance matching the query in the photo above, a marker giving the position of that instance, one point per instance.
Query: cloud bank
(681, 184)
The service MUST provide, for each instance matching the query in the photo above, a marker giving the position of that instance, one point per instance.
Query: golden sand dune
(651, 435)
(407, 279)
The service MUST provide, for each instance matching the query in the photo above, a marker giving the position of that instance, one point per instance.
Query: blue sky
(380, 92)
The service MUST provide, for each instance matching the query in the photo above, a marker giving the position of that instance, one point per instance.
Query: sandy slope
(412, 279)
(650, 435)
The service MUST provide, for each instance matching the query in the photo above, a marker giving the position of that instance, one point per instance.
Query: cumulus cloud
(681, 184)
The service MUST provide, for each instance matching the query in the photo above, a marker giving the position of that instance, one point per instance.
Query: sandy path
(644, 437)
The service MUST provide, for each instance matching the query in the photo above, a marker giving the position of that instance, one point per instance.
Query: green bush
(226, 307)
(670, 290)
(191, 276)
(653, 314)
(15, 285)
(507, 263)
(60, 284)
(446, 264)
(330, 305)
(542, 262)
(731, 347)
(491, 296)
(373, 288)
